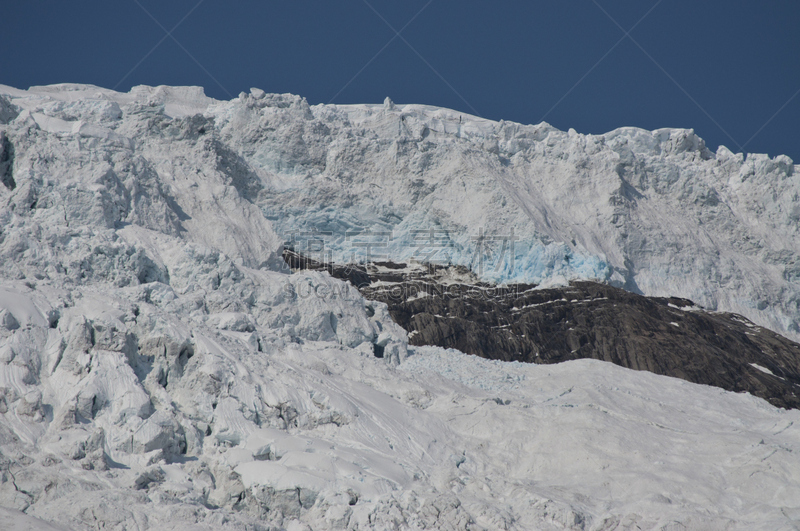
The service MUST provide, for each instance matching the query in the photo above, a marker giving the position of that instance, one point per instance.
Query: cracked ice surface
(159, 370)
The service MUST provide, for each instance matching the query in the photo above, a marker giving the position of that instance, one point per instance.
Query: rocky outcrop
(6, 162)
(447, 307)
(590, 320)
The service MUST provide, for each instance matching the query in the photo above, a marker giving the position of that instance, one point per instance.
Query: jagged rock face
(519, 322)
(6, 162)
(589, 320)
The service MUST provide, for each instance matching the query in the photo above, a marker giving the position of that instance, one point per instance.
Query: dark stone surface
(667, 336)
(6, 162)
(355, 274)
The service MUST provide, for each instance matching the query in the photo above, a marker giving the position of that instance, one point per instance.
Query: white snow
(159, 369)
(764, 370)
(19, 521)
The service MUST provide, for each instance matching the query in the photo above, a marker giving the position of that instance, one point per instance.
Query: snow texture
(159, 369)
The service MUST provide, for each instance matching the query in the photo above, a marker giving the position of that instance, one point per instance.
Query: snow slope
(160, 370)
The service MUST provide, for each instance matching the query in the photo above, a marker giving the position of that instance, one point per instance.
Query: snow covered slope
(159, 370)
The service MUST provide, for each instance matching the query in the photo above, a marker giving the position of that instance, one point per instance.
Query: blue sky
(730, 70)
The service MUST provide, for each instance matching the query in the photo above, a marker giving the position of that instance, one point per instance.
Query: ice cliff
(655, 212)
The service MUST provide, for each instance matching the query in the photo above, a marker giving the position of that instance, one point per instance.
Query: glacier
(160, 367)
(655, 212)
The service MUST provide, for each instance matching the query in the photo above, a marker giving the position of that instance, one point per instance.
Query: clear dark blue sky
(729, 69)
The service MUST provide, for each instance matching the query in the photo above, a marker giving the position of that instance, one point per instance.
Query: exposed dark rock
(355, 274)
(668, 336)
(7, 162)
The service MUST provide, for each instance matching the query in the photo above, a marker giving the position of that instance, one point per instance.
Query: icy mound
(159, 370)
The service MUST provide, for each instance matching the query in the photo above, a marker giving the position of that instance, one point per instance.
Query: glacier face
(652, 211)
(159, 369)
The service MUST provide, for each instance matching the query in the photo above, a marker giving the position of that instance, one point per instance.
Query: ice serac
(655, 212)
(161, 369)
